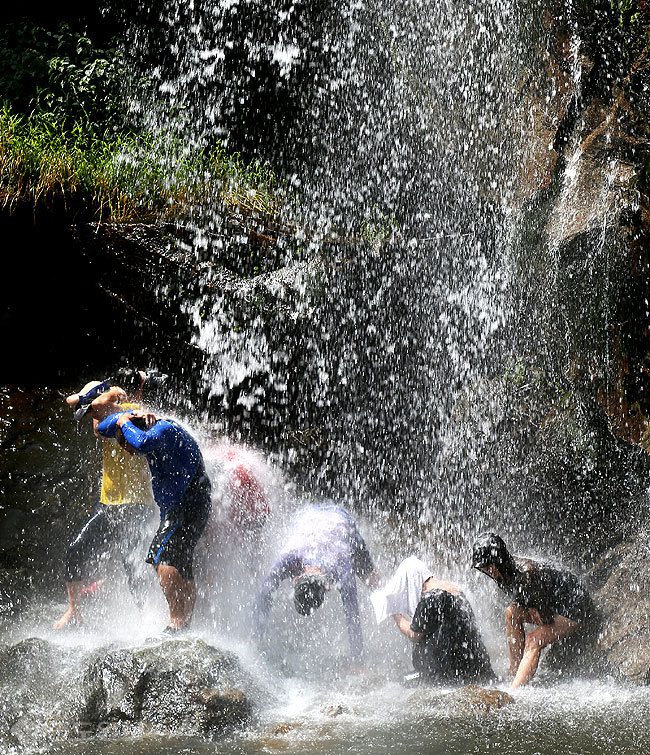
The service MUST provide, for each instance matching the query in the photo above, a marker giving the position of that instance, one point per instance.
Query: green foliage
(60, 73)
(628, 12)
(377, 228)
(65, 142)
(120, 176)
(632, 19)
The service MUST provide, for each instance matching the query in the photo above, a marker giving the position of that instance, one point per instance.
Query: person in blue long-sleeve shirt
(182, 491)
(324, 548)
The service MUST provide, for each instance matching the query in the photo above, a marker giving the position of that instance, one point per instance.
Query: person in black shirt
(552, 599)
(435, 616)
(448, 647)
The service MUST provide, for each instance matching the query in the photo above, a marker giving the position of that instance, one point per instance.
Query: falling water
(380, 361)
(400, 119)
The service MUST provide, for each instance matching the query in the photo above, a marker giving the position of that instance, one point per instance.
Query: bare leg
(536, 641)
(73, 614)
(180, 595)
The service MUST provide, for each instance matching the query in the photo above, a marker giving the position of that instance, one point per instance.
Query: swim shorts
(181, 527)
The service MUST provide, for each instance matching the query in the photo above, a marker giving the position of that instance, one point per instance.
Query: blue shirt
(173, 455)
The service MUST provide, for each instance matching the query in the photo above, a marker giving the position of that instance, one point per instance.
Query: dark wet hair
(308, 593)
(139, 422)
(128, 379)
(131, 381)
(490, 550)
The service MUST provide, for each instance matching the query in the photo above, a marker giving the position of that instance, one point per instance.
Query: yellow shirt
(125, 477)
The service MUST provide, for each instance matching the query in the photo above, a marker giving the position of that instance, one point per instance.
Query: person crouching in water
(553, 600)
(438, 619)
(182, 491)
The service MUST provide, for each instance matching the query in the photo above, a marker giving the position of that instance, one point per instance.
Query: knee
(534, 643)
(514, 615)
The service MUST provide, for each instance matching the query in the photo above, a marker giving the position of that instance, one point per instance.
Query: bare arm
(404, 626)
(105, 405)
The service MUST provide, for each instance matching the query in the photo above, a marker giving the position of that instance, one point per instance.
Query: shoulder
(527, 567)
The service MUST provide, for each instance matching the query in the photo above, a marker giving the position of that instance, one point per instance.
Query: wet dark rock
(584, 216)
(284, 728)
(470, 700)
(49, 693)
(16, 586)
(623, 579)
(12, 527)
(179, 686)
(37, 692)
(473, 699)
(335, 710)
(584, 206)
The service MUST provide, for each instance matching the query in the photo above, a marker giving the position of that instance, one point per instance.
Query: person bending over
(323, 548)
(181, 488)
(124, 497)
(435, 616)
(551, 599)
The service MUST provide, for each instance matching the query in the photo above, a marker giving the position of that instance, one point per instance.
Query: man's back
(322, 536)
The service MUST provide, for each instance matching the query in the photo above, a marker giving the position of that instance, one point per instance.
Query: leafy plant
(63, 74)
(65, 140)
(628, 12)
(377, 228)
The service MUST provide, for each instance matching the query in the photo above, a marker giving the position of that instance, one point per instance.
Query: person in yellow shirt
(125, 499)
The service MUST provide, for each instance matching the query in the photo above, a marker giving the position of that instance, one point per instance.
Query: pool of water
(577, 718)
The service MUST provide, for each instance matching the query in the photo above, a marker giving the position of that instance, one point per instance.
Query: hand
(149, 418)
(124, 418)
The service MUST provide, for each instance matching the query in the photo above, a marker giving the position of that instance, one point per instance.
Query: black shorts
(110, 531)
(181, 527)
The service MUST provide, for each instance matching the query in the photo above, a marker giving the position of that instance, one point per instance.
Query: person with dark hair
(324, 548)
(98, 397)
(125, 496)
(438, 619)
(182, 490)
(552, 599)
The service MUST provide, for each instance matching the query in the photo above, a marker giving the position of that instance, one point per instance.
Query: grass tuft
(123, 177)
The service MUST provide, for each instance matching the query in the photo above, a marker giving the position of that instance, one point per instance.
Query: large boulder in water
(180, 686)
(38, 681)
(50, 694)
(469, 700)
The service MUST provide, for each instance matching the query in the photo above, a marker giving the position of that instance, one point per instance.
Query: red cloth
(245, 505)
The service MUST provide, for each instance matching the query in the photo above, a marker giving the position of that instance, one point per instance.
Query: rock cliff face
(583, 198)
(584, 213)
(623, 581)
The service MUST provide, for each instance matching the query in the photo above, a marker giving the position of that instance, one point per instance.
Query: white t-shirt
(403, 591)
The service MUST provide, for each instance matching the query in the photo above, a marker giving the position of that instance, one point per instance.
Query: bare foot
(69, 619)
(177, 625)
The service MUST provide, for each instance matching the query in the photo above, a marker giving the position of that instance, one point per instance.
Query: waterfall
(432, 323)
(396, 119)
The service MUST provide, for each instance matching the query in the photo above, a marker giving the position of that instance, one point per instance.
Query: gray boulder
(50, 694)
(181, 686)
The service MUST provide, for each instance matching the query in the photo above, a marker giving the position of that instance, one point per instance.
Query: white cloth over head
(403, 590)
